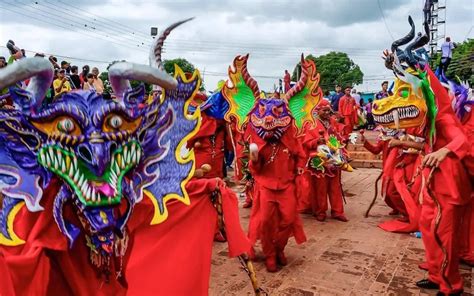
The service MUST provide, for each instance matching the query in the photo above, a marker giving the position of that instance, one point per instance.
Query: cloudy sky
(275, 32)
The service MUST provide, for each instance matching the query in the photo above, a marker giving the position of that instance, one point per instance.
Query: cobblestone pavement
(353, 258)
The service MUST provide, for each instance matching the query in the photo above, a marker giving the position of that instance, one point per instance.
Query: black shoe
(427, 284)
(452, 294)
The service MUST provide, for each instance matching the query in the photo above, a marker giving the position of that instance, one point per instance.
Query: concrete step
(356, 147)
(364, 155)
(356, 163)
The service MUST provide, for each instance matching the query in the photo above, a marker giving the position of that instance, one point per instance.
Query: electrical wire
(384, 20)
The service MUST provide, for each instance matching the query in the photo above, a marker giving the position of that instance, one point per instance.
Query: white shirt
(447, 49)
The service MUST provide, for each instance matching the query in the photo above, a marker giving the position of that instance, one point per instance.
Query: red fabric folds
(172, 258)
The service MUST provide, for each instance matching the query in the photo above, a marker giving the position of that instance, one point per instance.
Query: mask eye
(277, 111)
(66, 125)
(261, 109)
(404, 93)
(115, 122)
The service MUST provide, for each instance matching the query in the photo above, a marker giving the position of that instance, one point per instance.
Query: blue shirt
(335, 101)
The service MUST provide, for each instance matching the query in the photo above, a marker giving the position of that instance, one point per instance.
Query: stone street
(353, 258)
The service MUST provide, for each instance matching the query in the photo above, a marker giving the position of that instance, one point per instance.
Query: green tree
(186, 66)
(334, 68)
(461, 63)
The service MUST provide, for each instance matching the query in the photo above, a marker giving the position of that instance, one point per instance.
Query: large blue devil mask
(105, 152)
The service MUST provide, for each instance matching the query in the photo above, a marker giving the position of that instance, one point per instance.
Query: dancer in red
(106, 188)
(209, 144)
(348, 109)
(328, 183)
(276, 156)
(463, 103)
(424, 102)
(392, 197)
(400, 183)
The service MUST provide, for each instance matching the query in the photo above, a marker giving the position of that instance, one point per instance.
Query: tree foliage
(334, 68)
(186, 66)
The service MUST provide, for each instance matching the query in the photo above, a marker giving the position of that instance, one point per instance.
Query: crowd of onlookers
(66, 76)
(365, 119)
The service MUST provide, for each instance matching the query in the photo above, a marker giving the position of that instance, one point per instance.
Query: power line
(384, 20)
(74, 24)
(105, 27)
(130, 29)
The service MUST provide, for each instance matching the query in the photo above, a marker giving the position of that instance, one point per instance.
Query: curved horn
(301, 82)
(156, 53)
(407, 38)
(120, 73)
(38, 69)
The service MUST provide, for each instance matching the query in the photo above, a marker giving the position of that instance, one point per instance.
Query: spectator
(335, 98)
(370, 117)
(67, 67)
(89, 83)
(61, 85)
(362, 116)
(3, 62)
(83, 75)
(54, 61)
(98, 84)
(446, 54)
(75, 80)
(384, 92)
(356, 95)
(326, 96)
(287, 81)
(348, 108)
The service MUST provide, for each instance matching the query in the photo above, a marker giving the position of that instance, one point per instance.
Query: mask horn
(157, 48)
(38, 69)
(404, 40)
(120, 73)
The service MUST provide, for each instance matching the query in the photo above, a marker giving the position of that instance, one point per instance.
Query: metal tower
(437, 24)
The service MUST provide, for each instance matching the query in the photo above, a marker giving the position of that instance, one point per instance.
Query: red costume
(445, 199)
(392, 197)
(467, 243)
(348, 109)
(329, 185)
(401, 190)
(274, 215)
(45, 265)
(287, 81)
(209, 144)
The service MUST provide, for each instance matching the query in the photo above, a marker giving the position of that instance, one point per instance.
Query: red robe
(212, 138)
(399, 169)
(348, 109)
(467, 244)
(172, 258)
(327, 186)
(274, 217)
(450, 187)
(392, 197)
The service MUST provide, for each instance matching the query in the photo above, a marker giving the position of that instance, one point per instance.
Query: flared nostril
(85, 154)
(113, 147)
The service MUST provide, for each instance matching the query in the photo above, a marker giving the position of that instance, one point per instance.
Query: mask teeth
(396, 118)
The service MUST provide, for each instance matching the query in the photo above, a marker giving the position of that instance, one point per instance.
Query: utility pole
(437, 24)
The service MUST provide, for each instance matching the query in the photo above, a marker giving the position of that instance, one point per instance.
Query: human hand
(435, 158)
(394, 143)
(253, 149)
